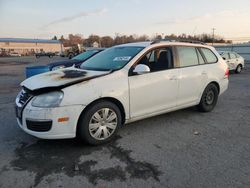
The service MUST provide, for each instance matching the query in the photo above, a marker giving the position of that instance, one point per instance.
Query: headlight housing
(58, 67)
(51, 99)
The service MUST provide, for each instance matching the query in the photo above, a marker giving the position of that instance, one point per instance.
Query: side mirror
(141, 69)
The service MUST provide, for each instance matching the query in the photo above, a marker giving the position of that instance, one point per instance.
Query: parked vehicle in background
(120, 85)
(14, 54)
(76, 61)
(42, 54)
(72, 52)
(235, 61)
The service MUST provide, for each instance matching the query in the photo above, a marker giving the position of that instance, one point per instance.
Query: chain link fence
(241, 49)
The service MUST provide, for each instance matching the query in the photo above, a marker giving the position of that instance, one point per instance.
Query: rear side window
(233, 56)
(187, 56)
(237, 55)
(209, 55)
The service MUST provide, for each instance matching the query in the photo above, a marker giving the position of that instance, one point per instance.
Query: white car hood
(60, 78)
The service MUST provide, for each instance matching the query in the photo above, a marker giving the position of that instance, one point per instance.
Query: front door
(155, 91)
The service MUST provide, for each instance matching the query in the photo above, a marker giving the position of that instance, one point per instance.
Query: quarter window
(209, 55)
(187, 56)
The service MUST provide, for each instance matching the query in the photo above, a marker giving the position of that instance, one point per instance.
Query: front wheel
(99, 123)
(209, 98)
(238, 69)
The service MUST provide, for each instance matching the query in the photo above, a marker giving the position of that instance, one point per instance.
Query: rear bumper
(224, 85)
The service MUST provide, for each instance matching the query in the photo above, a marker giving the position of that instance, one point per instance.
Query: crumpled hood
(60, 78)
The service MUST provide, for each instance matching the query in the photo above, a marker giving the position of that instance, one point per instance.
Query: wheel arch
(216, 84)
(110, 99)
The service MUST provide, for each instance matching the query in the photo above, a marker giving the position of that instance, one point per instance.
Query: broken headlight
(51, 99)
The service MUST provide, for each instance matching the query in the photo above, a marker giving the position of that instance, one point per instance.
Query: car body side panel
(114, 85)
(192, 81)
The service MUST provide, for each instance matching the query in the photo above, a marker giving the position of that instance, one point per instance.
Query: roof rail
(178, 40)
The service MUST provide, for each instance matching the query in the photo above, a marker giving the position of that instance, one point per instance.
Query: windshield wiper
(96, 69)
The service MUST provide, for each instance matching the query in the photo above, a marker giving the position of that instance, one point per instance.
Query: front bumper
(58, 130)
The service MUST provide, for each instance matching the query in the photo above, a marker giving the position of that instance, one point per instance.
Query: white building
(29, 46)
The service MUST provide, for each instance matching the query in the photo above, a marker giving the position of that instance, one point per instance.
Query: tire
(209, 98)
(238, 69)
(70, 56)
(96, 135)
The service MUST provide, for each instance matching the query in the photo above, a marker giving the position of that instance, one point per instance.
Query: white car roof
(136, 44)
(161, 43)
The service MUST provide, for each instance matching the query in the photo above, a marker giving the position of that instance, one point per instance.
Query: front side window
(209, 55)
(187, 56)
(225, 55)
(111, 59)
(158, 59)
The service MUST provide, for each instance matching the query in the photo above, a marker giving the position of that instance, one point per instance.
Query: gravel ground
(179, 149)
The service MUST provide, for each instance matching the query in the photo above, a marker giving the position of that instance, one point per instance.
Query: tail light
(226, 73)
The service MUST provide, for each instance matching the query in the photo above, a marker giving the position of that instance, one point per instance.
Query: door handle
(173, 78)
(204, 73)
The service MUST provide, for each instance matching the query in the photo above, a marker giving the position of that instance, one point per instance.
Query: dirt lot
(180, 149)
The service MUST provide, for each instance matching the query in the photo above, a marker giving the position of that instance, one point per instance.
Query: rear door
(192, 75)
(233, 61)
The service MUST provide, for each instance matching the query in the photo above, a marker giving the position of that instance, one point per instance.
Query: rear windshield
(111, 59)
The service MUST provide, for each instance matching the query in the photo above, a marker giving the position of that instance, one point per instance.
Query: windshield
(111, 59)
(85, 55)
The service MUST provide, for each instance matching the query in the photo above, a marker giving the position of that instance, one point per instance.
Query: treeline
(206, 38)
(108, 41)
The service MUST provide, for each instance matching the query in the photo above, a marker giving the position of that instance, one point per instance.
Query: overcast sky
(46, 18)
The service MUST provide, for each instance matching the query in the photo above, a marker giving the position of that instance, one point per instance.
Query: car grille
(24, 97)
(39, 126)
(21, 101)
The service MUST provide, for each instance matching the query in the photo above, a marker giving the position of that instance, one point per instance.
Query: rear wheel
(209, 98)
(238, 69)
(99, 123)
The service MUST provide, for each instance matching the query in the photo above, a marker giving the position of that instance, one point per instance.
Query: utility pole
(213, 35)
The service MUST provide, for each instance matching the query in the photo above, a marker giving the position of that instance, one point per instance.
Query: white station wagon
(120, 85)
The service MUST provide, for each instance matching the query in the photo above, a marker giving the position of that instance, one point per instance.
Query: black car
(76, 61)
(48, 54)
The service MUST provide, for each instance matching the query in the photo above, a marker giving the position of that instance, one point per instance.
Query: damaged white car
(120, 85)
